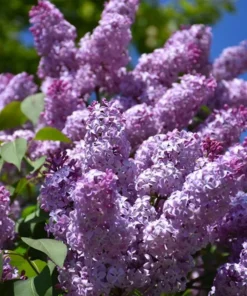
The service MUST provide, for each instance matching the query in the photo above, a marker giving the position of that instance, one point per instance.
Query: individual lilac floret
(54, 40)
(181, 102)
(231, 63)
(60, 102)
(18, 88)
(232, 93)
(225, 125)
(140, 124)
(106, 49)
(6, 224)
(75, 126)
(231, 278)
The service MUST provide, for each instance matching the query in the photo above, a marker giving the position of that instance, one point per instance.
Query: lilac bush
(144, 170)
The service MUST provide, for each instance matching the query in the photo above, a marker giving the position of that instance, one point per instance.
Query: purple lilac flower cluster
(139, 191)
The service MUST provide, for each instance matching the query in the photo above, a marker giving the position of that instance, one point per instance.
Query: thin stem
(28, 260)
(97, 94)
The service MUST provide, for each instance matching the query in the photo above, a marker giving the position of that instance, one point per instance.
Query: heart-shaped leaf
(11, 116)
(55, 250)
(13, 152)
(32, 106)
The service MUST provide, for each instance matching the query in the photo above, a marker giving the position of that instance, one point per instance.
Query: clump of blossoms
(150, 178)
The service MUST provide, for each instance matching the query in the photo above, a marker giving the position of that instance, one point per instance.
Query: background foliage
(156, 20)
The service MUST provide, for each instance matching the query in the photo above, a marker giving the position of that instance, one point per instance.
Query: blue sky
(230, 30)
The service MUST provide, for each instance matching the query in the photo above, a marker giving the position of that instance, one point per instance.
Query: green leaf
(39, 264)
(55, 250)
(36, 286)
(32, 106)
(13, 152)
(37, 216)
(28, 210)
(21, 264)
(43, 283)
(11, 116)
(21, 186)
(51, 134)
(25, 288)
(36, 164)
(1, 265)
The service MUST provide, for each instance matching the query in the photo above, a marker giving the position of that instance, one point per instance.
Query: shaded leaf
(51, 134)
(32, 106)
(13, 152)
(25, 288)
(22, 264)
(36, 164)
(11, 116)
(55, 250)
(28, 210)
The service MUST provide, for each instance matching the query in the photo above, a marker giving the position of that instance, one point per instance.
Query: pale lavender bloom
(231, 278)
(181, 102)
(6, 224)
(160, 180)
(225, 125)
(60, 102)
(231, 63)
(140, 124)
(231, 229)
(96, 222)
(75, 126)
(181, 148)
(105, 50)
(185, 50)
(74, 276)
(232, 93)
(54, 40)
(106, 144)
(18, 88)
(122, 103)
(145, 152)
(4, 80)
(42, 148)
